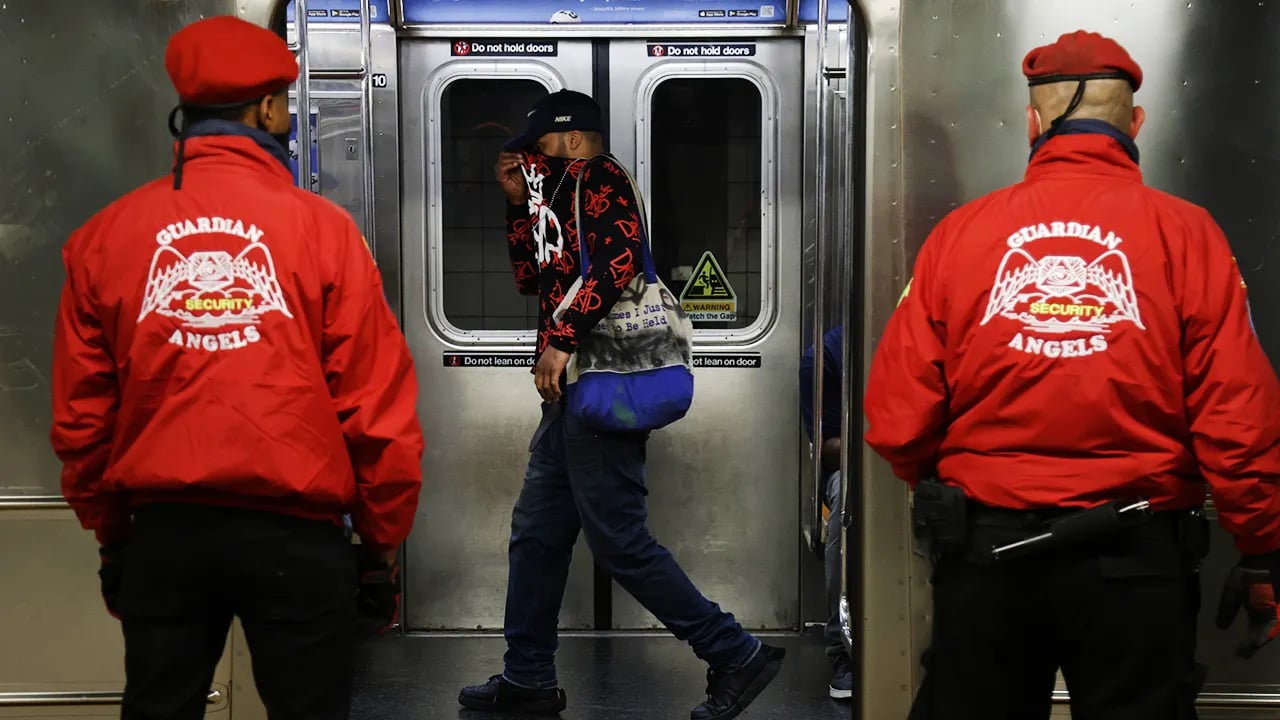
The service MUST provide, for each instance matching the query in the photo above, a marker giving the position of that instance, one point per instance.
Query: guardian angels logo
(219, 296)
(1057, 295)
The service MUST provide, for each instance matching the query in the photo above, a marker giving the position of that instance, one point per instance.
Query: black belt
(1075, 528)
(952, 523)
(1062, 528)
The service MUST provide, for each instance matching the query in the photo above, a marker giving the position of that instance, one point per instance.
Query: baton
(1079, 526)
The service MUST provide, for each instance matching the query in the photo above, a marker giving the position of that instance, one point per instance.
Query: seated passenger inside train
(841, 686)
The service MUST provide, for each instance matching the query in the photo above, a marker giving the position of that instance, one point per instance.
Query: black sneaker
(728, 694)
(841, 678)
(500, 696)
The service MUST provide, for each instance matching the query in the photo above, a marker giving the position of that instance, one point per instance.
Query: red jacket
(1080, 337)
(229, 343)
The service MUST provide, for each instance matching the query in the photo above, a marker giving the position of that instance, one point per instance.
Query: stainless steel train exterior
(809, 156)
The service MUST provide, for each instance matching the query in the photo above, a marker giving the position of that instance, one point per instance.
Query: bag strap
(584, 262)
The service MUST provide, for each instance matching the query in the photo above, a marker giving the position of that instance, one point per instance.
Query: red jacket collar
(230, 150)
(1085, 154)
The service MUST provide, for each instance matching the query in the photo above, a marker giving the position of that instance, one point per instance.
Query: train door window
(478, 115)
(705, 187)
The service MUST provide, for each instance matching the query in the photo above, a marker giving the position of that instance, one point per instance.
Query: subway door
(341, 130)
(472, 334)
(718, 160)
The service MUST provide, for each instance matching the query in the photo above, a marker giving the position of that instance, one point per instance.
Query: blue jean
(580, 479)
(832, 560)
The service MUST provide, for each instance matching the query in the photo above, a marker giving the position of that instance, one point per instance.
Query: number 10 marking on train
(379, 80)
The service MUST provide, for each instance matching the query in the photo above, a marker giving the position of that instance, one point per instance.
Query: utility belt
(951, 524)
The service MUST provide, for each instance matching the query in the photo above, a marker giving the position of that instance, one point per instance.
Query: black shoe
(500, 696)
(841, 687)
(728, 694)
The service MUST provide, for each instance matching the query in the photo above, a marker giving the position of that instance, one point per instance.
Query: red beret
(1081, 55)
(224, 61)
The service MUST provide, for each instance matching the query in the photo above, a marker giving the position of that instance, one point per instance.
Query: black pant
(189, 569)
(1117, 616)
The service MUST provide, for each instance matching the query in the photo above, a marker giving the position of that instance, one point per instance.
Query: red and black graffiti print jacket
(543, 235)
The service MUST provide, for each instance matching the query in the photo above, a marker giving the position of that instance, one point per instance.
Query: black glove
(378, 595)
(1252, 585)
(111, 573)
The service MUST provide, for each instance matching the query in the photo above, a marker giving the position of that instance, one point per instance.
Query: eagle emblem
(1064, 293)
(211, 289)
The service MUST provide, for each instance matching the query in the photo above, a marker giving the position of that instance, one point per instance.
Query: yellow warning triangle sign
(708, 282)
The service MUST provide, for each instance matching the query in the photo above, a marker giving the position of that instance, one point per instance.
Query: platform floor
(619, 677)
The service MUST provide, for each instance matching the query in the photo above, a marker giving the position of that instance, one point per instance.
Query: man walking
(579, 477)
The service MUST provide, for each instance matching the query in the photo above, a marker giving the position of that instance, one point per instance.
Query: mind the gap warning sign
(707, 296)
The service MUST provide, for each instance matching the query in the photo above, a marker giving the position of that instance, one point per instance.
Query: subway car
(797, 153)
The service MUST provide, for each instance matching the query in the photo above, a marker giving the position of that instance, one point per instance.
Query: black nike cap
(560, 111)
